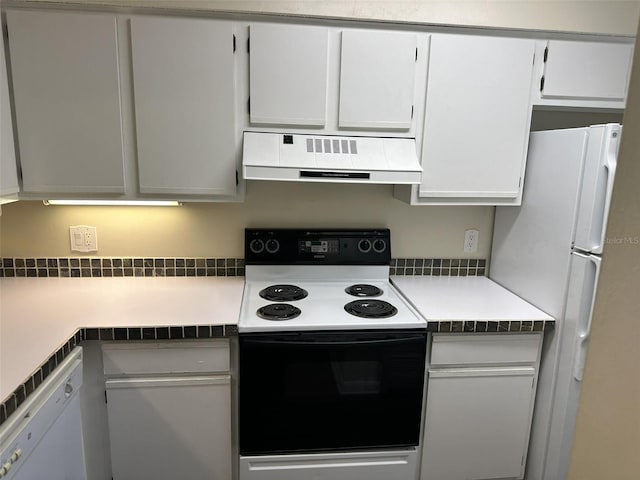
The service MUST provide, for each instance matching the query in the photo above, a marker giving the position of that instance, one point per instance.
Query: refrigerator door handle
(586, 314)
(610, 165)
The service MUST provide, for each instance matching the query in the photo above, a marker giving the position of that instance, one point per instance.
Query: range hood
(322, 158)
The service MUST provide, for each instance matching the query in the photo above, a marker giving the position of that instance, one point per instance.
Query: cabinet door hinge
(542, 83)
(237, 178)
(416, 54)
(411, 112)
(248, 45)
(105, 397)
(546, 54)
(249, 105)
(519, 182)
(234, 44)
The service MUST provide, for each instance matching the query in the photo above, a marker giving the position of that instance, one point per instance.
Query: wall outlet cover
(471, 237)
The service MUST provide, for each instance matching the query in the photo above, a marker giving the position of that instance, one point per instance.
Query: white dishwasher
(43, 438)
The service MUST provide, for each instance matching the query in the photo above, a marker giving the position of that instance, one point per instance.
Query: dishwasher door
(43, 438)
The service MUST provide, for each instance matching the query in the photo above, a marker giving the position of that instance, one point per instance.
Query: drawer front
(478, 349)
(396, 465)
(159, 358)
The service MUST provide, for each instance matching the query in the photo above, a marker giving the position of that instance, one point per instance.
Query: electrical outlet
(83, 238)
(471, 237)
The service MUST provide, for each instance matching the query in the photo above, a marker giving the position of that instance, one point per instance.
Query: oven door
(330, 391)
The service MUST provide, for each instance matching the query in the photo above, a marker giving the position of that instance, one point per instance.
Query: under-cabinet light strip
(116, 203)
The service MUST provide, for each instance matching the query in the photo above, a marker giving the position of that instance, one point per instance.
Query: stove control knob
(379, 245)
(364, 245)
(16, 455)
(256, 245)
(272, 245)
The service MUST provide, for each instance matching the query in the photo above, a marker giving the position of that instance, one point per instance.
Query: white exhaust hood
(322, 158)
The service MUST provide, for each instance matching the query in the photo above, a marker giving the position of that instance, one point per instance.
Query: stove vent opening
(336, 146)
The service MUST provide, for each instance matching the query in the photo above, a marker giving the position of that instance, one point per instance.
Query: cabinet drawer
(158, 358)
(477, 349)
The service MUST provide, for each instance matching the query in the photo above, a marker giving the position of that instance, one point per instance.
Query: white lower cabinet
(478, 417)
(164, 421)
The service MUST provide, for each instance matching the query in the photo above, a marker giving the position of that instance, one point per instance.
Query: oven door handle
(336, 342)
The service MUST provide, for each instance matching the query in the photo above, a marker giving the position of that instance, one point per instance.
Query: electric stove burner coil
(371, 309)
(283, 293)
(278, 311)
(363, 290)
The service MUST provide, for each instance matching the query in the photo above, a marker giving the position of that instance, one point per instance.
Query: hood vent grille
(327, 145)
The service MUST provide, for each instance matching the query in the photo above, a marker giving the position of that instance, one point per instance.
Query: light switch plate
(84, 238)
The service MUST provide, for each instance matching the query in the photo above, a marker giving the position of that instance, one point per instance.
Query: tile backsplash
(122, 267)
(203, 267)
(454, 267)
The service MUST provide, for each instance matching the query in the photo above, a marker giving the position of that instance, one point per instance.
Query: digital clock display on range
(330, 246)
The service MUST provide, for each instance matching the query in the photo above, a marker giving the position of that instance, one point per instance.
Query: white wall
(32, 229)
(593, 16)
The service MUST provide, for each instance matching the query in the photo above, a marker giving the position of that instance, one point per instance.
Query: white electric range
(332, 359)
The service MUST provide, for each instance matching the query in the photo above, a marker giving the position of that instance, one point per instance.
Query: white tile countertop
(449, 299)
(38, 315)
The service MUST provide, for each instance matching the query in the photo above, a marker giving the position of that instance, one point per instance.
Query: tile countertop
(466, 299)
(38, 315)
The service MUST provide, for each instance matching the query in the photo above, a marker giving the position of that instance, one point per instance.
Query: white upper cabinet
(8, 171)
(477, 117)
(585, 74)
(288, 75)
(67, 99)
(185, 105)
(377, 71)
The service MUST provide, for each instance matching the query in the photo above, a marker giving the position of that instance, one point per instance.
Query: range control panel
(317, 247)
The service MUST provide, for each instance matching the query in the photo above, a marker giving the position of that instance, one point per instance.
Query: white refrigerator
(548, 251)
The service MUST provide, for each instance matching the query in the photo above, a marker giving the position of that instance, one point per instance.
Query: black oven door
(330, 391)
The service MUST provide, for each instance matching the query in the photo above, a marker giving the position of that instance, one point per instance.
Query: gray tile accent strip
(68, 267)
(436, 267)
(72, 267)
(490, 326)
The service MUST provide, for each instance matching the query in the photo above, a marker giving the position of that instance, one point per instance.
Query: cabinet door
(170, 427)
(184, 90)
(67, 99)
(8, 169)
(586, 70)
(477, 117)
(377, 71)
(477, 423)
(288, 75)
